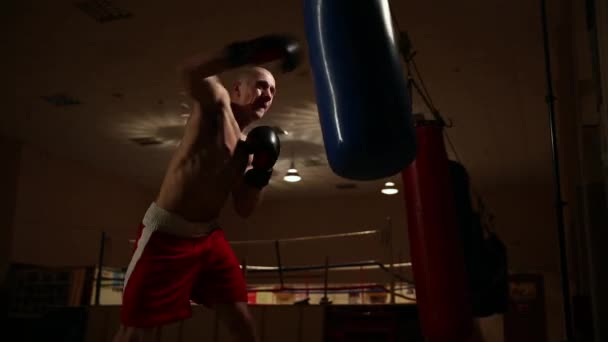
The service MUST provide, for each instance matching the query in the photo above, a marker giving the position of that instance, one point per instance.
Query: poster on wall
(525, 320)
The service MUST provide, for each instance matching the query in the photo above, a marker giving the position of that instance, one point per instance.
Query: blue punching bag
(361, 90)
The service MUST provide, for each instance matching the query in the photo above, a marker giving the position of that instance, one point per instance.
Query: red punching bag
(435, 244)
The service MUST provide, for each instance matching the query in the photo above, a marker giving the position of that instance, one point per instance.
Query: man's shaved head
(254, 73)
(253, 93)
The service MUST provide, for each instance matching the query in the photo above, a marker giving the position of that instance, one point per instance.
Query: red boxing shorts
(176, 262)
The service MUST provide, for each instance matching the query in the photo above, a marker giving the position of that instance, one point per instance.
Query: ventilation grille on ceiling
(102, 11)
(146, 141)
(346, 186)
(61, 100)
(313, 162)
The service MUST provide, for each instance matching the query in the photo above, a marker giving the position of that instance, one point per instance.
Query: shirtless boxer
(181, 255)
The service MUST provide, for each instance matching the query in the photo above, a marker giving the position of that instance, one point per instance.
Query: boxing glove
(264, 144)
(265, 49)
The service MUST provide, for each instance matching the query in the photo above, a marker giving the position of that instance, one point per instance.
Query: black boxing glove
(258, 178)
(265, 49)
(263, 142)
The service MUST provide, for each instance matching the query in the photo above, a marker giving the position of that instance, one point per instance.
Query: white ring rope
(348, 268)
(308, 238)
(302, 238)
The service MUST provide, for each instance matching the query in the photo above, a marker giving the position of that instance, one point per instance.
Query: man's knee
(129, 334)
(239, 320)
(236, 310)
(237, 315)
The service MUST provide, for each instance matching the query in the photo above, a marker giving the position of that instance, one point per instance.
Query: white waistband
(159, 219)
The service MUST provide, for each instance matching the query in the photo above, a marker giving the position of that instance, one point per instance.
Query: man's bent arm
(246, 199)
(212, 100)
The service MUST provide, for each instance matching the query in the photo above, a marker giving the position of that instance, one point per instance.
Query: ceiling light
(292, 175)
(389, 189)
(103, 10)
(61, 100)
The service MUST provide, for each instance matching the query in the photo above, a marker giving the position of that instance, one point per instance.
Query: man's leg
(238, 319)
(221, 286)
(158, 283)
(128, 334)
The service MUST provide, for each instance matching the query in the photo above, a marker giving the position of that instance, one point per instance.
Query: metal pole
(326, 277)
(559, 203)
(325, 300)
(278, 255)
(391, 258)
(102, 247)
(244, 269)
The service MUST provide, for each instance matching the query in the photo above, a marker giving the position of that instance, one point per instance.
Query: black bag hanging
(485, 254)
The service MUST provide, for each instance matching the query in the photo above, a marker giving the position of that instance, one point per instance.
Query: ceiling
(480, 60)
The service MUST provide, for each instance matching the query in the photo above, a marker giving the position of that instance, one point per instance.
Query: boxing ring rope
(307, 238)
(372, 264)
(326, 267)
(345, 267)
(281, 269)
(338, 289)
(369, 264)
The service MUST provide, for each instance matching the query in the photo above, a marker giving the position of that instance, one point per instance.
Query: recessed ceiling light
(389, 188)
(292, 175)
(102, 10)
(389, 191)
(61, 100)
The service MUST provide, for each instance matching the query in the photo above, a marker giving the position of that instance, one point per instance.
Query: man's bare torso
(200, 176)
